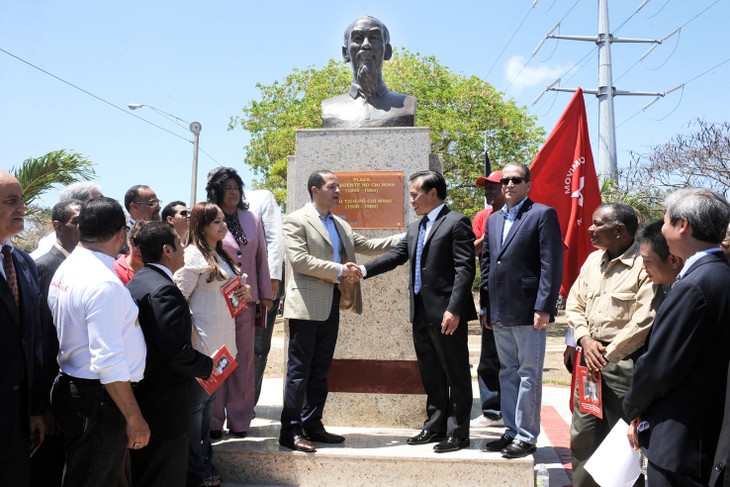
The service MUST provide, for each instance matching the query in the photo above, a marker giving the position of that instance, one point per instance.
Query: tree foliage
(457, 108)
(39, 174)
(700, 158)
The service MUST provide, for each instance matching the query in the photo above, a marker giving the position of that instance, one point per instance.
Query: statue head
(366, 45)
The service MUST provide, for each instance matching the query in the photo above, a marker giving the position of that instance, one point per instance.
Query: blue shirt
(510, 215)
(329, 225)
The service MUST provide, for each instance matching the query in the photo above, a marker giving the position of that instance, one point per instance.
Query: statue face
(366, 48)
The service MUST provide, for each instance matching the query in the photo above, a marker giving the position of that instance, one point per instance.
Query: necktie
(419, 252)
(9, 269)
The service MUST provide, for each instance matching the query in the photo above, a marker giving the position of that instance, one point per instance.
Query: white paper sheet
(615, 463)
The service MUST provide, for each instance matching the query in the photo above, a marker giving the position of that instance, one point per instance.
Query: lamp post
(195, 128)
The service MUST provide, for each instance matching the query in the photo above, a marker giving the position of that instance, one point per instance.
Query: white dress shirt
(96, 320)
(263, 204)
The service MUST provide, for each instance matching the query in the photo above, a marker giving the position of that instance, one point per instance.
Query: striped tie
(10, 276)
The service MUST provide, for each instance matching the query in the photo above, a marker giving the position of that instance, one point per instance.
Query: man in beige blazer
(318, 285)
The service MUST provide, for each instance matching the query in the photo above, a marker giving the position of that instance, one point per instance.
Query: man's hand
(478, 245)
(569, 358)
(265, 304)
(38, 426)
(275, 285)
(485, 323)
(540, 320)
(351, 272)
(138, 433)
(593, 354)
(633, 433)
(449, 323)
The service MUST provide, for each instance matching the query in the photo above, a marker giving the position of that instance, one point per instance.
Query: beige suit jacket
(312, 273)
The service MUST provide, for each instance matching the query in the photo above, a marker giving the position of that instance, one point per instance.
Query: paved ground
(554, 441)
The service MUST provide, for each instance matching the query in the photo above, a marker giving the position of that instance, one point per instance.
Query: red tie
(10, 273)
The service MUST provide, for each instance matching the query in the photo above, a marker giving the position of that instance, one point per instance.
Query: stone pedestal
(374, 379)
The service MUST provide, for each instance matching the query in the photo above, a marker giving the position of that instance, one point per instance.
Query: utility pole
(607, 160)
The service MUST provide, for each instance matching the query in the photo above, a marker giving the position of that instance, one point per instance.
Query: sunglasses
(515, 180)
(184, 213)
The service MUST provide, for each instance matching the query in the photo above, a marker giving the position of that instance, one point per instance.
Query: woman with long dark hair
(207, 268)
(246, 245)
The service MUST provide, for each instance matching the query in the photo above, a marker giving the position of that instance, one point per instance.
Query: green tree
(457, 108)
(39, 174)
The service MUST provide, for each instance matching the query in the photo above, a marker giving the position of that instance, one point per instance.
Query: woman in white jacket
(207, 268)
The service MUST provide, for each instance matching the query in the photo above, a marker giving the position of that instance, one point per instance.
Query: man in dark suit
(720, 475)
(677, 395)
(47, 463)
(164, 395)
(21, 378)
(440, 248)
(522, 266)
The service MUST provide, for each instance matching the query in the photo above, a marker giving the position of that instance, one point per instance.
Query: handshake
(351, 273)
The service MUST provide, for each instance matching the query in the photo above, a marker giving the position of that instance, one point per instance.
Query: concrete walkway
(553, 442)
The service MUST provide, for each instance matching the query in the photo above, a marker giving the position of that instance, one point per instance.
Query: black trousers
(444, 364)
(15, 451)
(311, 347)
(162, 463)
(658, 477)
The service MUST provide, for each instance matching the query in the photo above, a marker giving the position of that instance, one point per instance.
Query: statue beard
(367, 78)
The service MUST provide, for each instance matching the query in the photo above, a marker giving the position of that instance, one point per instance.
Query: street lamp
(195, 128)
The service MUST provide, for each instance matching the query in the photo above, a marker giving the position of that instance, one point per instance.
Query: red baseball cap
(495, 177)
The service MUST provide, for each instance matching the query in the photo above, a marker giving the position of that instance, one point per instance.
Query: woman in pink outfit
(246, 245)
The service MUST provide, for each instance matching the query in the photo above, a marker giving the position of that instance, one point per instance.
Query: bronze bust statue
(369, 103)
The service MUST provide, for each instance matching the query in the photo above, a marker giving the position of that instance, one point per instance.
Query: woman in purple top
(246, 245)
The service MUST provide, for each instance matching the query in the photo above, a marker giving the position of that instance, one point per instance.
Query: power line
(538, 48)
(682, 85)
(91, 94)
(511, 38)
(86, 92)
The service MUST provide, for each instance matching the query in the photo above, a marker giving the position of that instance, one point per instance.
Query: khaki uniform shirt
(612, 302)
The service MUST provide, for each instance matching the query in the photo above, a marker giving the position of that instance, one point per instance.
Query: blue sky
(201, 60)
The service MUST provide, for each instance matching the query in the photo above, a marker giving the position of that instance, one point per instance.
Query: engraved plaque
(372, 200)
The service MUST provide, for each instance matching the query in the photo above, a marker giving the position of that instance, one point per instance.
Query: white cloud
(518, 76)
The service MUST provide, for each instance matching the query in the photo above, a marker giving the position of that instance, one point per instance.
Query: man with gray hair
(82, 191)
(676, 400)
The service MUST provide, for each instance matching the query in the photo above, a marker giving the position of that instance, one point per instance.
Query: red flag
(564, 177)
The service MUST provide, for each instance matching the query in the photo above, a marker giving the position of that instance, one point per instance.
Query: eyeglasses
(515, 180)
(153, 203)
(184, 213)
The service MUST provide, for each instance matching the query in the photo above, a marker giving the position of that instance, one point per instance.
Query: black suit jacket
(447, 266)
(523, 274)
(679, 384)
(21, 349)
(164, 395)
(720, 471)
(47, 265)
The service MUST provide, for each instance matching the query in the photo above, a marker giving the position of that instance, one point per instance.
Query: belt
(82, 380)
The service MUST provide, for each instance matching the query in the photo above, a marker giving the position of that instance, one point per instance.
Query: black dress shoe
(498, 445)
(298, 443)
(239, 434)
(216, 434)
(324, 437)
(425, 436)
(452, 443)
(518, 449)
